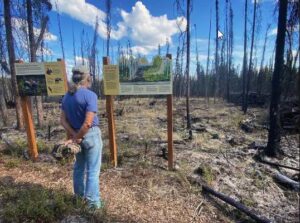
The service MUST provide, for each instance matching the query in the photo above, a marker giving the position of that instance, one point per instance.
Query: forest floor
(141, 189)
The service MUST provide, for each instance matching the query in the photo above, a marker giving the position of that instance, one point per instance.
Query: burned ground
(222, 152)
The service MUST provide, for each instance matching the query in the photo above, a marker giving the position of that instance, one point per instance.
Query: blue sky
(147, 23)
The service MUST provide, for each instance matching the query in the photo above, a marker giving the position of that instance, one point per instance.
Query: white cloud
(273, 32)
(148, 31)
(139, 25)
(79, 60)
(21, 24)
(85, 13)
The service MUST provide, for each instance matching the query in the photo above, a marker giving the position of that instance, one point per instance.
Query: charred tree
(93, 55)
(207, 82)
(34, 45)
(260, 74)
(108, 25)
(249, 73)
(273, 146)
(245, 58)
(217, 75)
(187, 70)
(59, 31)
(11, 55)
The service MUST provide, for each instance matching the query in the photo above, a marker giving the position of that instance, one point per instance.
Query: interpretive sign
(36, 79)
(138, 77)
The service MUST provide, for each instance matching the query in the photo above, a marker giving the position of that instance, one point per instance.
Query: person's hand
(68, 142)
(78, 141)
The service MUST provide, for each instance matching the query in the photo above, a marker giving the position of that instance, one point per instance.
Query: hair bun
(77, 77)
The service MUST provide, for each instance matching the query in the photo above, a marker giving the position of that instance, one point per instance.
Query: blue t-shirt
(75, 107)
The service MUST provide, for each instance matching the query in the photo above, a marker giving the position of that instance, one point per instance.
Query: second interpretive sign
(138, 77)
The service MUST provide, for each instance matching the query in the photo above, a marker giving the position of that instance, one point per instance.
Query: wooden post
(26, 108)
(170, 127)
(30, 131)
(111, 124)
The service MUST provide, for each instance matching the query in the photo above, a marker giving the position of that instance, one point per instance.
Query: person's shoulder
(88, 92)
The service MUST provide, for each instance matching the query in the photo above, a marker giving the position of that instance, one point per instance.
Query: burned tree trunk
(273, 146)
(216, 84)
(11, 54)
(3, 109)
(207, 63)
(249, 73)
(188, 117)
(33, 44)
(108, 25)
(245, 58)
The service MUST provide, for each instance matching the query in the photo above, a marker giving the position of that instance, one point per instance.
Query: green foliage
(33, 203)
(207, 173)
(43, 147)
(12, 164)
(17, 148)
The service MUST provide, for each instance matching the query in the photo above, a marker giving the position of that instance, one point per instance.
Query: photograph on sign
(31, 79)
(139, 77)
(31, 85)
(36, 79)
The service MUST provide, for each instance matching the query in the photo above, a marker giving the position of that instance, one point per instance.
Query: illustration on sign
(138, 77)
(55, 78)
(35, 79)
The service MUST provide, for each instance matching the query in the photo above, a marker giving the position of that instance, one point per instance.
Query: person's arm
(64, 122)
(91, 110)
(89, 117)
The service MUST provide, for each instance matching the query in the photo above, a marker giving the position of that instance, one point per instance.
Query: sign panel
(55, 78)
(35, 79)
(138, 77)
(111, 79)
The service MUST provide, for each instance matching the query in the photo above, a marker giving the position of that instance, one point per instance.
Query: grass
(32, 203)
(12, 164)
(207, 173)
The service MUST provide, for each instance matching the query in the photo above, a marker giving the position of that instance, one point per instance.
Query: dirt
(141, 189)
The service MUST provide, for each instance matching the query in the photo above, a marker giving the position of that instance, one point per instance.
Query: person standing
(79, 119)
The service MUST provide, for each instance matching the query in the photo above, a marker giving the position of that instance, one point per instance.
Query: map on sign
(36, 79)
(135, 76)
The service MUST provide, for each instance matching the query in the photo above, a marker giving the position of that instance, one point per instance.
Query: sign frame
(112, 131)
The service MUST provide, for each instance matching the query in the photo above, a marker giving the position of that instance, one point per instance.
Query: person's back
(77, 104)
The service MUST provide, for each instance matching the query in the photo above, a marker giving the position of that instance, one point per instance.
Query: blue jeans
(89, 161)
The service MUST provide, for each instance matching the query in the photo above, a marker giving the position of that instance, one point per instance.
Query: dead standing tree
(3, 108)
(59, 31)
(249, 73)
(34, 44)
(245, 59)
(11, 55)
(207, 82)
(217, 76)
(273, 146)
(93, 55)
(108, 25)
(187, 70)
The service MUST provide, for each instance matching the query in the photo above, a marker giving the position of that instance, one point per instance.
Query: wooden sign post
(31, 139)
(170, 127)
(58, 74)
(111, 124)
(112, 131)
(29, 125)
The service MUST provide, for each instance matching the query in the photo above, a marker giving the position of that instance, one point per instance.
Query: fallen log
(260, 159)
(286, 181)
(230, 201)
